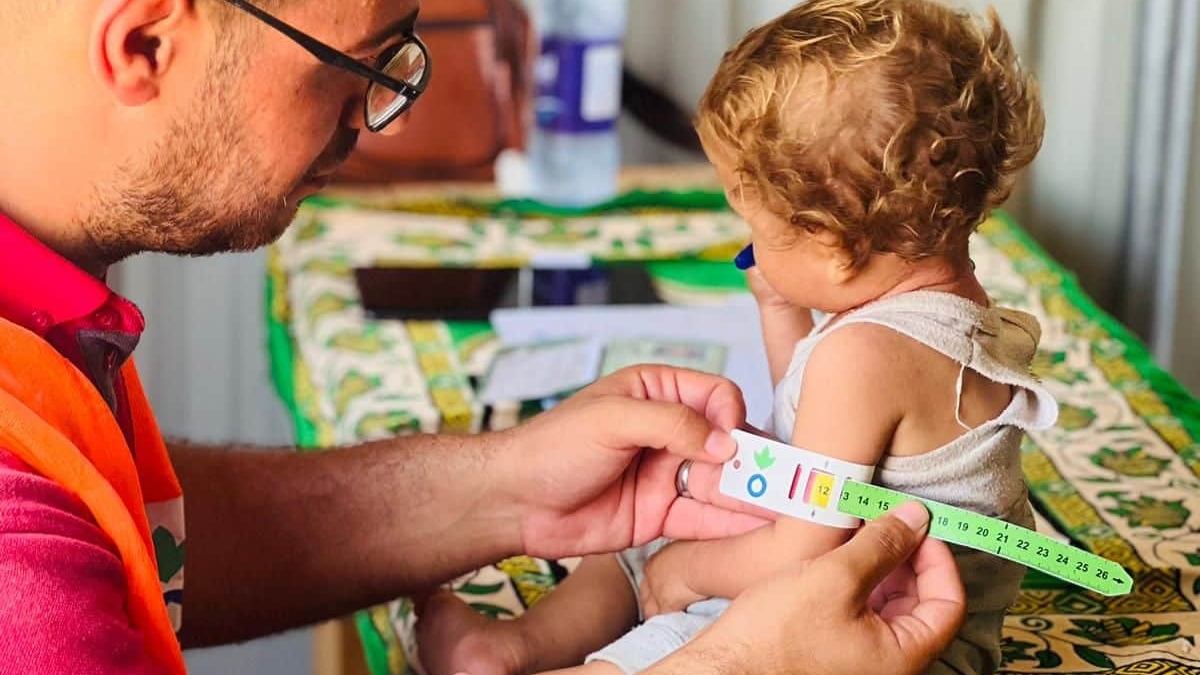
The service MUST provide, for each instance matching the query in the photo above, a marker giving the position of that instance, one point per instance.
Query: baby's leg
(594, 606)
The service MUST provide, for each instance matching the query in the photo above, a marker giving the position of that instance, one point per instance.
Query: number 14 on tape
(810, 486)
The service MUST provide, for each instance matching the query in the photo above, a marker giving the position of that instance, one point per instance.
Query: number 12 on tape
(810, 486)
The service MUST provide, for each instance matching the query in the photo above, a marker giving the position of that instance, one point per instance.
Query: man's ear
(133, 43)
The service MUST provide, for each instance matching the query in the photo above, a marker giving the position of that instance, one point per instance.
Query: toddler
(863, 141)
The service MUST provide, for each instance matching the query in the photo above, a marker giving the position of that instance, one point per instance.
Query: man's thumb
(884, 544)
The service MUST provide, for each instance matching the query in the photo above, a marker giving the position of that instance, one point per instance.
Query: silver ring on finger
(681, 479)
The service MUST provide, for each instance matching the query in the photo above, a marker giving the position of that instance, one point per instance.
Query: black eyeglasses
(399, 78)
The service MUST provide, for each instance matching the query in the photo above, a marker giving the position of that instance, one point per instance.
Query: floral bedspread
(1119, 475)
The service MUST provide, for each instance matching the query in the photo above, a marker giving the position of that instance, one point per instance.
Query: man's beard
(203, 191)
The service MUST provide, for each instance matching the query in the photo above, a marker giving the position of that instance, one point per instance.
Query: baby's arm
(850, 404)
(592, 607)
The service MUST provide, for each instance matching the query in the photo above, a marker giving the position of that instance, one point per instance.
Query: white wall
(1185, 353)
(203, 359)
(1082, 52)
(1076, 190)
(204, 352)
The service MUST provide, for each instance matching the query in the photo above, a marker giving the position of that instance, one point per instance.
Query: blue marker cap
(745, 259)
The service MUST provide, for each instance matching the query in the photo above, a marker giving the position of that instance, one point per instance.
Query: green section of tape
(995, 536)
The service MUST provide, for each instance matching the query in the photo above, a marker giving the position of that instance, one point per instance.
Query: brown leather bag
(476, 104)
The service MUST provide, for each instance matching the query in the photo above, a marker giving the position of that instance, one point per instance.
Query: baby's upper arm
(851, 401)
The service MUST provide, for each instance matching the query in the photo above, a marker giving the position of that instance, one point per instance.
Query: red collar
(40, 289)
(74, 312)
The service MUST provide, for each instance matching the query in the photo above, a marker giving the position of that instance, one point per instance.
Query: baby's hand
(665, 587)
(764, 293)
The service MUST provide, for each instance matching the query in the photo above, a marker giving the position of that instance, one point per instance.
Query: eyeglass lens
(406, 65)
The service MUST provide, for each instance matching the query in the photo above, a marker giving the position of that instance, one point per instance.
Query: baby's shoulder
(871, 350)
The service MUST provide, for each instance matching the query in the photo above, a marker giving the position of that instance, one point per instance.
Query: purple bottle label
(578, 85)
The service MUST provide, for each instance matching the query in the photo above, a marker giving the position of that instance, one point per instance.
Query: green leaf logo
(168, 552)
(763, 459)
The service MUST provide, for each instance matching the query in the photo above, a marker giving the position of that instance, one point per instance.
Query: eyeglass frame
(340, 59)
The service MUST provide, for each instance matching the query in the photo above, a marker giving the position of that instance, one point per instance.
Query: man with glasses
(195, 127)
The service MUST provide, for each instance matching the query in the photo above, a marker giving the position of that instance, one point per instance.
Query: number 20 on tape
(810, 486)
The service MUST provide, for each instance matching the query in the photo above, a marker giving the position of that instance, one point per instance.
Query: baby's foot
(452, 638)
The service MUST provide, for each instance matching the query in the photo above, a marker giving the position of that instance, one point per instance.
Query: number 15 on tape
(810, 486)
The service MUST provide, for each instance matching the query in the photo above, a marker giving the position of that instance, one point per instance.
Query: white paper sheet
(542, 370)
(734, 325)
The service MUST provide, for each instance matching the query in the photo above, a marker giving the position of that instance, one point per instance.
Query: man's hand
(884, 603)
(597, 473)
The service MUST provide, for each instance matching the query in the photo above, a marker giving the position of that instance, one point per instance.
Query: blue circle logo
(757, 485)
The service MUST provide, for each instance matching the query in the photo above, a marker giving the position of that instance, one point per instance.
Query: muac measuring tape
(810, 486)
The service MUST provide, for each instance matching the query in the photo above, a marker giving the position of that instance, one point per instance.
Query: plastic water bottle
(574, 152)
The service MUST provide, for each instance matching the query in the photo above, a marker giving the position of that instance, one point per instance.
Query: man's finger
(688, 519)
(704, 482)
(880, 547)
(716, 398)
(674, 427)
(936, 571)
(941, 599)
(656, 476)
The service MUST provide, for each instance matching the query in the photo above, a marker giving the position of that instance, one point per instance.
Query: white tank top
(981, 469)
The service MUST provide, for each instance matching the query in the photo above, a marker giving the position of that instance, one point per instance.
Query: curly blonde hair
(894, 125)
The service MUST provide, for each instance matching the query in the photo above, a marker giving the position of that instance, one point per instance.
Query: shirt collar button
(41, 321)
(106, 318)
